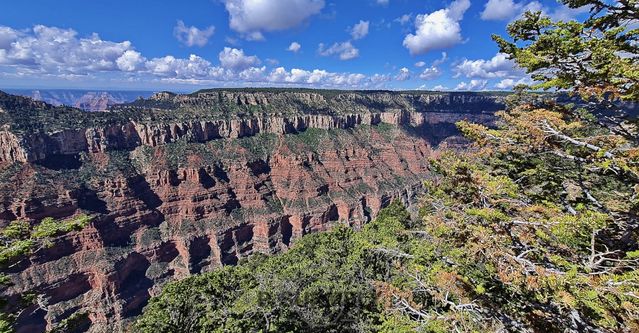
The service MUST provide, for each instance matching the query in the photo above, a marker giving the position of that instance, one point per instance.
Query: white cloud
(319, 77)
(500, 10)
(253, 74)
(430, 73)
(420, 64)
(439, 87)
(360, 30)
(441, 60)
(378, 80)
(130, 61)
(403, 75)
(61, 52)
(235, 59)
(472, 85)
(192, 36)
(294, 47)
(352, 80)
(437, 30)
(345, 50)
(498, 66)
(54, 50)
(294, 76)
(193, 67)
(382, 2)
(433, 71)
(505, 84)
(508, 9)
(510, 83)
(253, 17)
(64, 55)
(7, 36)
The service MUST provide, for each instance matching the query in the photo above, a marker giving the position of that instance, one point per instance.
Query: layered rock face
(229, 114)
(183, 184)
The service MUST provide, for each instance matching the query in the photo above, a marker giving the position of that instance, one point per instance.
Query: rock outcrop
(182, 184)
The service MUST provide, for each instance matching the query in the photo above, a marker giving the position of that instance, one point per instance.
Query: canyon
(182, 184)
(96, 100)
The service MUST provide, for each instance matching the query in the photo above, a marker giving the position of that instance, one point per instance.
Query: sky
(189, 45)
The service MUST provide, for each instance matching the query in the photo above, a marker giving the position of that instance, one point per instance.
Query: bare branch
(550, 130)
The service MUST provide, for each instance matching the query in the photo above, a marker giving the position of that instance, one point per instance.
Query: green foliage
(49, 227)
(319, 285)
(15, 249)
(18, 241)
(592, 58)
(74, 323)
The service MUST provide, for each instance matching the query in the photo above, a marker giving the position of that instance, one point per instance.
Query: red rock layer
(165, 212)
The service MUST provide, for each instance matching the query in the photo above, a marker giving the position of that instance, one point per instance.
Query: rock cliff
(181, 184)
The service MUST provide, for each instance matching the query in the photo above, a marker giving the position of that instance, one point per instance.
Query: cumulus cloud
(505, 84)
(439, 87)
(437, 30)
(360, 30)
(7, 36)
(403, 75)
(510, 83)
(498, 66)
(235, 59)
(130, 61)
(193, 67)
(378, 80)
(252, 74)
(420, 64)
(345, 50)
(382, 2)
(251, 18)
(192, 36)
(472, 85)
(433, 71)
(50, 49)
(500, 10)
(294, 47)
(430, 73)
(62, 53)
(318, 77)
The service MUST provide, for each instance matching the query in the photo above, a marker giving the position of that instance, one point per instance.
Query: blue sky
(354, 44)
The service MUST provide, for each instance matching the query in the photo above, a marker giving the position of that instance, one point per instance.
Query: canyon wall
(38, 146)
(177, 188)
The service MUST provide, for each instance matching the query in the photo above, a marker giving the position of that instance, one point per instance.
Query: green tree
(536, 229)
